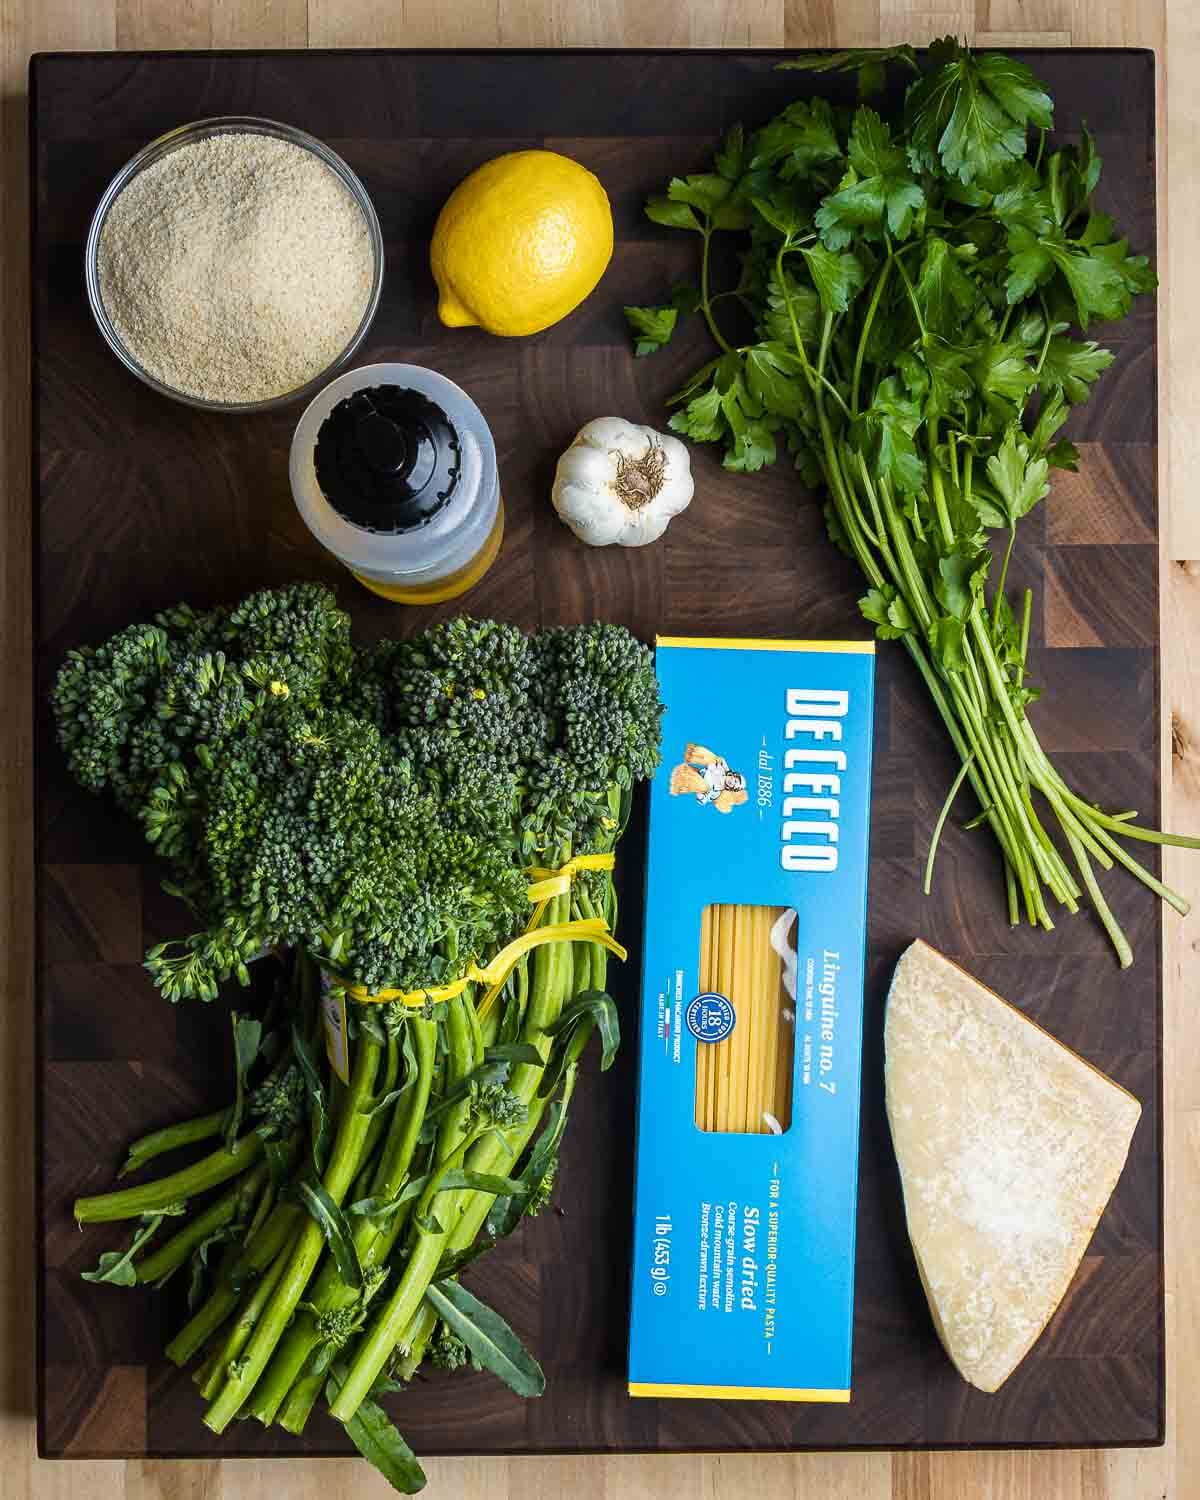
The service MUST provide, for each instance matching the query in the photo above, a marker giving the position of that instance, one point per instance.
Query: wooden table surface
(43, 24)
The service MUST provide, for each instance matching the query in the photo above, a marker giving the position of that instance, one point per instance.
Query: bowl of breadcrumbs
(234, 264)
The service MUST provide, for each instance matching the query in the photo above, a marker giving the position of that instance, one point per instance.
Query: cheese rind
(1009, 1146)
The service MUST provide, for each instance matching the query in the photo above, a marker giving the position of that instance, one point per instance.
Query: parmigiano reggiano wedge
(1009, 1147)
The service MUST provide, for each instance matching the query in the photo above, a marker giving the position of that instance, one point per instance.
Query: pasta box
(751, 1022)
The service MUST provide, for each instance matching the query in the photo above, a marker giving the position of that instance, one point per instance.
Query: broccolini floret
(448, 1352)
(376, 806)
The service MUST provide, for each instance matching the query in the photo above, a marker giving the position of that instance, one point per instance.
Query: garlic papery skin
(621, 483)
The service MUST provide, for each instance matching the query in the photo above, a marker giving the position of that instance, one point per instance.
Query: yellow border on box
(736, 1392)
(737, 643)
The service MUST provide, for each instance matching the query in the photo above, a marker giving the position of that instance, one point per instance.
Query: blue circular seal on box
(710, 1017)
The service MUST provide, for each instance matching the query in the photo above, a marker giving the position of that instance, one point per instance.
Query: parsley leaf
(958, 583)
(774, 378)
(1003, 374)
(869, 63)
(886, 433)
(801, 138)
(887, 611)
(837, 278)
(945, 292)
(653, 327)
(878, 190)
(1072, 366)
(970, 114)
(804, 304)
(701, 418)
(1020, 480)
(734, 156)
(672, 213)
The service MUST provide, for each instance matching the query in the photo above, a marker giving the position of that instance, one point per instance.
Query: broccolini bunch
(377, 817)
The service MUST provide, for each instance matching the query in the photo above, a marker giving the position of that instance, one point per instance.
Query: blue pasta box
(751, 1022)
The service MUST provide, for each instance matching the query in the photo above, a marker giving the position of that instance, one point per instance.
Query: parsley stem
(912, 297)
(705, 303)
(811, 375)
(1012, 537)
(880, 282)
(941, 819)
(1119, 941)
(1026, 617)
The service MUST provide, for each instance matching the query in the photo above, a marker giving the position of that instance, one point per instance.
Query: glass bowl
(184, 135)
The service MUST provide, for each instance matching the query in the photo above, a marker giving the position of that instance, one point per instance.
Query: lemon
(520, 242)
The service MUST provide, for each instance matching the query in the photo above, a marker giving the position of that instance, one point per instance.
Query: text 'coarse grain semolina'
(235, 268)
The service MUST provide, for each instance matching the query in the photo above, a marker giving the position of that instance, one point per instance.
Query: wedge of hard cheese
(1009, 1147)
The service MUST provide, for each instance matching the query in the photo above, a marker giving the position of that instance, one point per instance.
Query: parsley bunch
(915, 284)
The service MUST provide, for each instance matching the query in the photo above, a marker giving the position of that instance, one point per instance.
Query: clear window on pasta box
(747, 1019)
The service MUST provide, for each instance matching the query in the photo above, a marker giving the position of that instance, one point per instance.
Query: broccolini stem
(551, 984)
(460, 1059)
(186, 1133)
(244, 1326)
(260, 1251)
(299, 1404)
(152, 1197)
(372, 1243)
(379, 1122)
(172, 1254)
(338, 1175)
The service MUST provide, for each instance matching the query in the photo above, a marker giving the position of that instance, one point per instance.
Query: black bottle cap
(387, 459)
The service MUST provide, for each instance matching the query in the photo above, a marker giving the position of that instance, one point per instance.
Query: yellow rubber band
(496, 971)
(549, 883)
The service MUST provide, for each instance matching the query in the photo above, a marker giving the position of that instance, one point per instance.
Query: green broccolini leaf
(458, 1177)
(116, 1266)
(322, 1134)
(379, 1442)
(247, 1036)
(652, 326)
(489, 1338)
(313, 1198)
(596, 1006)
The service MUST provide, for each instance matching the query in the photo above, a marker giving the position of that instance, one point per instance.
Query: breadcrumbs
(235, 268)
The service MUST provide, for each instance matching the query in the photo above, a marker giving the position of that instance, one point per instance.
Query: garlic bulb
(622, 483)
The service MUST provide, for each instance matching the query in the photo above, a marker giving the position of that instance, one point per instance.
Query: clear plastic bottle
(393, 470)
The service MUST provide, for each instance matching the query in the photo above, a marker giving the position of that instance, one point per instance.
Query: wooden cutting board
(144, 502)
